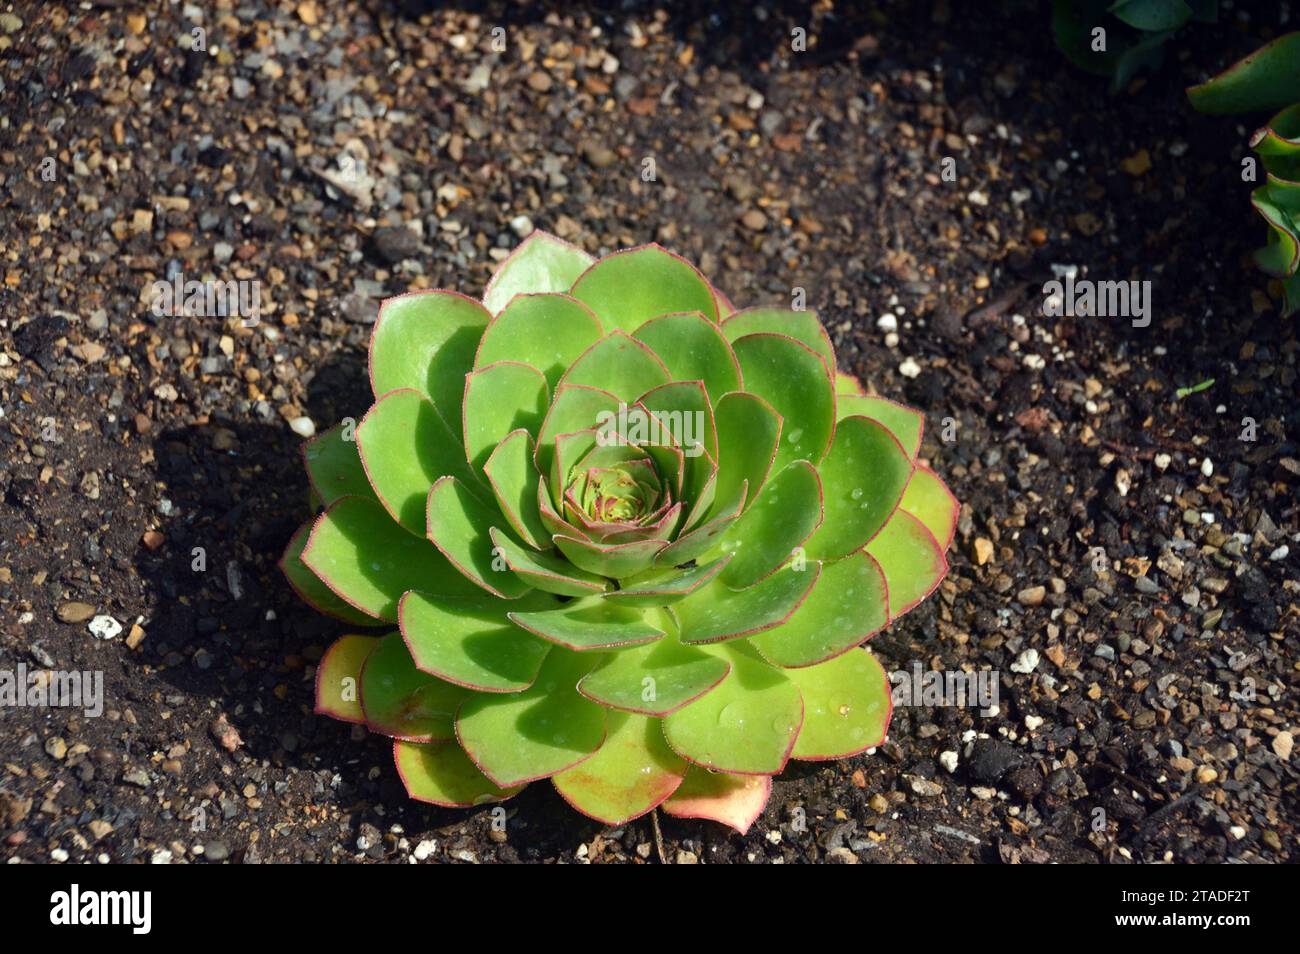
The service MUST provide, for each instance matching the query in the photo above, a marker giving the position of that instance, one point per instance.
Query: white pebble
(1280, 553)
(521, 225)
(105, 627)
(1207, 467)
(949, 761)
(303, 426)
(1237, 832)
(977, 198)
(58, 854)
(1032, 722)
(1026, 662)
(1162, 461)
(1123, 482)
(424, 849)
(887, 322)
(891, 340)
(1034, 362)
(909, 368)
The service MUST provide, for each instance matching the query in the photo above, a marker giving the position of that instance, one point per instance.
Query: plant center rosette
(624, 537)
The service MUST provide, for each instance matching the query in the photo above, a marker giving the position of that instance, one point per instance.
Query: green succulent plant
(1265, 80)
(1135, 33)
(631, 538)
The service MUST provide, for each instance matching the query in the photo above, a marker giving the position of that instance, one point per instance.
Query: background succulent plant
(1136, 32)
(665, 617)
(1265, 80)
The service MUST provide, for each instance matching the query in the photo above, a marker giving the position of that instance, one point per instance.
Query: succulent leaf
(402, 702)
(338, 678)
(615, 560)
(749, 433)
(699, 541)
(631, 773)
(369, 561)
(848, 385)
(546, 571)
(589, 624)
(848, 605)
(733, 800)
(904, 423)
(847, 705)
(541, 264)
(787, 512)
(747, 725)
(545, 331)
(312, 589)
(863, 479)
(620, 365)
(930, 501)
(470, 641)
(692, 348)
(442, 774)
(334, 466)
(574, 408)
(676, 407)
(426, 341)
(405, 446)
(802, 326)
(796, 382)
(501, 398)
(458, 524)
(628, 288)
(1266, 79)
(513, 478)
(717, 612)
(911, 559)
(656, 679)
(534, 734)
(663, 588)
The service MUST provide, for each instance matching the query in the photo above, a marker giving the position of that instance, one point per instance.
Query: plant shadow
(226, 628)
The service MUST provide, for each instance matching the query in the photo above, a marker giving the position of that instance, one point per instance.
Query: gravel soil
(1126, 558)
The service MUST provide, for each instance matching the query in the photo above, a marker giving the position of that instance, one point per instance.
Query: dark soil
(1156, 594)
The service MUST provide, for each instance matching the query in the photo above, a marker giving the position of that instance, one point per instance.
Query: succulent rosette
(631, 540)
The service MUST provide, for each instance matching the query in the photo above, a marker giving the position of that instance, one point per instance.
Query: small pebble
(74, 612)
(1026, 662)
(1283, 743)
(216, 851)
(1032, 595)
(303, 426)
(105, 627)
